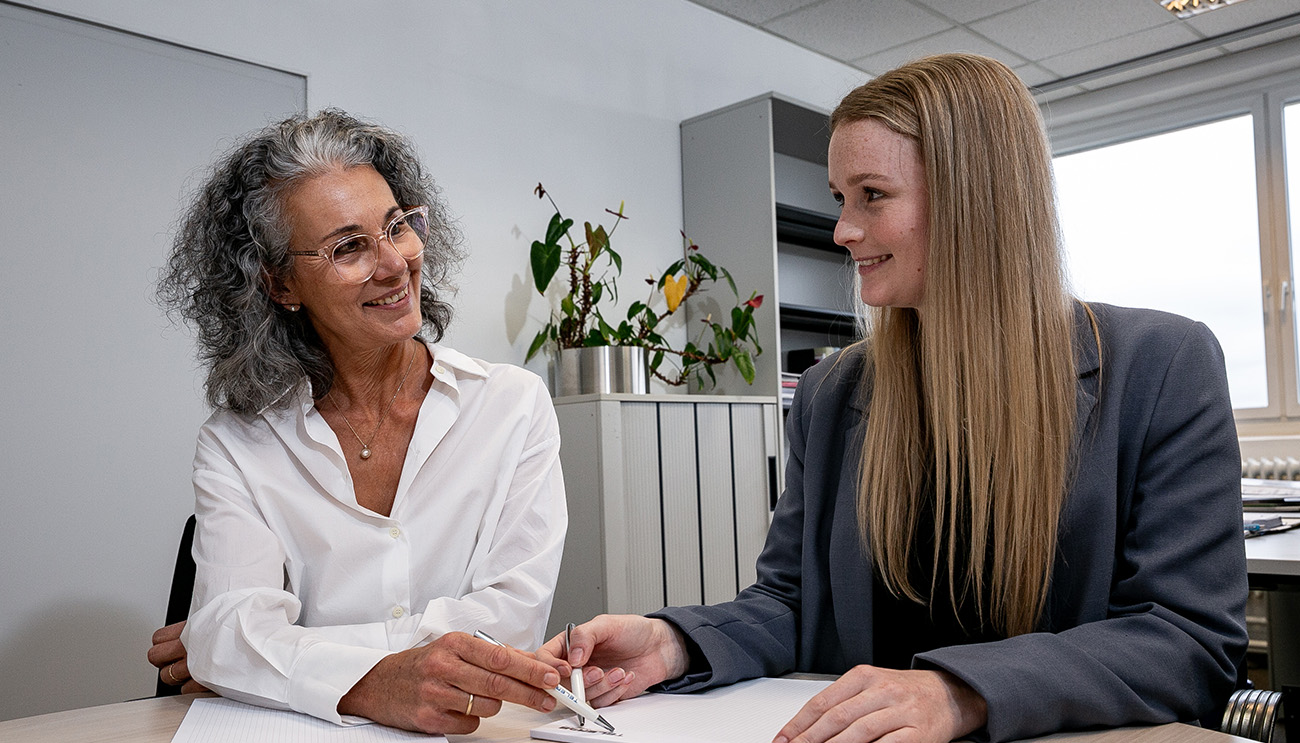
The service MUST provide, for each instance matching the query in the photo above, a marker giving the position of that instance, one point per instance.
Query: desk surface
(1274, 554)
(156, 720)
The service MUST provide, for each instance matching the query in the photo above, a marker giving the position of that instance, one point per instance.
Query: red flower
(756, 302)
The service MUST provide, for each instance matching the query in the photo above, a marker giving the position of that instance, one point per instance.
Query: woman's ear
(281, 292)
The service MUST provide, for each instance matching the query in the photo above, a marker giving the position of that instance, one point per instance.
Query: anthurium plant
(589, 283)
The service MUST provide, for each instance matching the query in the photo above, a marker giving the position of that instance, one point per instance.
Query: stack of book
(789, 381)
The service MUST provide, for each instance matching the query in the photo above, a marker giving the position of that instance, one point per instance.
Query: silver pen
(561, 694)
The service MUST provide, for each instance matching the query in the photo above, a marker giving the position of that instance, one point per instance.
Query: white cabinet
(669, 499)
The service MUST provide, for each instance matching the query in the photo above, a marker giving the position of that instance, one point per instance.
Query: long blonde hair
(975, 396)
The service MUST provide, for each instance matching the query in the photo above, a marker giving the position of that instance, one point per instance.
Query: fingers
(619, 685)
(826, 700)
(168, 633)
(175, 674)
(193, 687)
(552, 653)
(166, 653)
(491, 671)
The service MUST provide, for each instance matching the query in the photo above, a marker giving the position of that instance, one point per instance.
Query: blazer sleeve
(1173, 631)
(756, 633)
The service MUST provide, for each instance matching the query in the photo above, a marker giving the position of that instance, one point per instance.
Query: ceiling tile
(966, 11)
(1121, 49)
(850, 29)
(754, 11)
(1243, 14)
(952, 40)
(1050, 27)
(1032, 74)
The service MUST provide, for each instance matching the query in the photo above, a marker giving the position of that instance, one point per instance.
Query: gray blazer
(1145, 617)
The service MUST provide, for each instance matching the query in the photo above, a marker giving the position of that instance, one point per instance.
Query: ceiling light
(1189, 8)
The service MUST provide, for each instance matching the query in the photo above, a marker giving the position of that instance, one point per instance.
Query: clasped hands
(622, 656)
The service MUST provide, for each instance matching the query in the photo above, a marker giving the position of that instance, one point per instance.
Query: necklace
(365, 448)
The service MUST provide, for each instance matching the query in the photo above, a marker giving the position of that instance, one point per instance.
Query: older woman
(1007, 512)
(365, 496)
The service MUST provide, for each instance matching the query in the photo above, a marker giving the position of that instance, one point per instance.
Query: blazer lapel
(850, 569)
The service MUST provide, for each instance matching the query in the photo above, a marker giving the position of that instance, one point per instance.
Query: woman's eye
(871, 194)
(398, 229)
(350, 246)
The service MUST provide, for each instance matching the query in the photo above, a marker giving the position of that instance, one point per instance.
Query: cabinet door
(642, 543)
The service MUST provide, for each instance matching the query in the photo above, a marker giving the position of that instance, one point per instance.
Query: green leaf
(558, 227)
(545, 262)
(634, 309)
(538, 341)
(567, 306)
(657, 359)
(618, 259)
(597, 290)
(746, 366)
(606, 331)
(594, 338)
(730, 281)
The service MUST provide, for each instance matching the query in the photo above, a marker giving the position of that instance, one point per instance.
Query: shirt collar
(447, 364)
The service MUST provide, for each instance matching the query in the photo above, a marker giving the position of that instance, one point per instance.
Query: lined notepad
(742, 713)
(225, 721)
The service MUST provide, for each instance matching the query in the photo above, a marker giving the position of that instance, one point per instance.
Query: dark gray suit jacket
(1145, 621)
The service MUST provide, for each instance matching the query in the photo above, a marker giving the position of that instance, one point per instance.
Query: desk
(1273, 559)
(156, 720)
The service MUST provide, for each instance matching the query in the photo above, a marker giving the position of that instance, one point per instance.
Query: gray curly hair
(234, 236)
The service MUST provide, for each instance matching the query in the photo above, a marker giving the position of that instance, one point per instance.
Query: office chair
(1251, 713)
(178, 604)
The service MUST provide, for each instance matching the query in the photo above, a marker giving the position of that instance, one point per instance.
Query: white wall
(583, 95)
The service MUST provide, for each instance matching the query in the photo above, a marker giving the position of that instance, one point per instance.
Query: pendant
(365, 453)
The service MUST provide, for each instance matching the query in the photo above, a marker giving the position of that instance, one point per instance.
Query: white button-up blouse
(300, 591)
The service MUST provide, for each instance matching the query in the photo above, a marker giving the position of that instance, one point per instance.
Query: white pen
(561, 694)
(575, 678)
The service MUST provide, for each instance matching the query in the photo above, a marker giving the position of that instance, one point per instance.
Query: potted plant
(589, 288)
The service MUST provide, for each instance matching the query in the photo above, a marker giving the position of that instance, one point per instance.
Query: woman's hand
(168, 655)
(623, 655)
(870, 703)
(447, 685)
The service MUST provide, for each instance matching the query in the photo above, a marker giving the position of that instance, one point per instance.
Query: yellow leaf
(674, 290)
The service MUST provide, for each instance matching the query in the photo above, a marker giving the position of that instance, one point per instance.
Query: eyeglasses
(356, 257)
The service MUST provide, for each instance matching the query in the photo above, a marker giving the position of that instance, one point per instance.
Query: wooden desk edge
(156, 720)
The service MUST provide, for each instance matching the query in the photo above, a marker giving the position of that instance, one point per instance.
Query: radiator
(1271, 468)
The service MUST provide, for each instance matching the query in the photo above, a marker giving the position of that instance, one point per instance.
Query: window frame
(1172, 100)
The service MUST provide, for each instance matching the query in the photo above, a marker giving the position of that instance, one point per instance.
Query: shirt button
(394, 532)
(398, 612)
(440, 368)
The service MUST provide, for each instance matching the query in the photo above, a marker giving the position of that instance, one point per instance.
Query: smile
(390, 299)
(865, 262)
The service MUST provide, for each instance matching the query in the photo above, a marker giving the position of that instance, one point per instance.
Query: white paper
(744, 713)
(225, 721)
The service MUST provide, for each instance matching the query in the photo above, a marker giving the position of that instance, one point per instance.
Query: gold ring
(469, 709)
(172, 676)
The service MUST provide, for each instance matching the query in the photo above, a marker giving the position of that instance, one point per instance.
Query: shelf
(818, 319)
(807, 228)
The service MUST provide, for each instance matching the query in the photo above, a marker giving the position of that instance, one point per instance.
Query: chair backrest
(178, 604)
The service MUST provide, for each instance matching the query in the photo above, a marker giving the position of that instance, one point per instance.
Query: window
(1171, 222)
(1175, 196)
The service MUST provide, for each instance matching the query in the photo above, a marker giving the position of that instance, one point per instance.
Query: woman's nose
(846, 232)
(391, 262)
